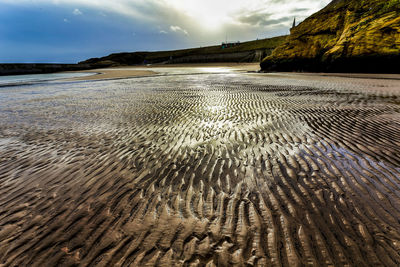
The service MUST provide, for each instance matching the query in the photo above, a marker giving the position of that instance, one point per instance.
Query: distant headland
(251, 51)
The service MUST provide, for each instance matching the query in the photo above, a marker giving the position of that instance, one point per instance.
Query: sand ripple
(200, 170)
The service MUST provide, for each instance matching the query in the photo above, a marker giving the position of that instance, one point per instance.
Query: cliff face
(347, 35)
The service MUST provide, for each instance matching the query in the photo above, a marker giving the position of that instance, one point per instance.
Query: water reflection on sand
(201, 166)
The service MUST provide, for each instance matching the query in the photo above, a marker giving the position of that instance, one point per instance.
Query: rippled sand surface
(209, 169)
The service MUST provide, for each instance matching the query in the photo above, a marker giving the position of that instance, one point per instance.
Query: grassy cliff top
(139, 57)
(269, 43)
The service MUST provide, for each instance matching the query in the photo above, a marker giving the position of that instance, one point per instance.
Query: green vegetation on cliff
(347, 35)
(266, 46)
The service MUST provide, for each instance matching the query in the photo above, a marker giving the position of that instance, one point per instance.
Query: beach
(203, 165)
(151, 70)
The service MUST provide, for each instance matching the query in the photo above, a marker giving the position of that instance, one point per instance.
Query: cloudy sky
(73, 30)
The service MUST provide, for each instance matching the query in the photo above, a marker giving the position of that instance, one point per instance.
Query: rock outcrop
(345, 36)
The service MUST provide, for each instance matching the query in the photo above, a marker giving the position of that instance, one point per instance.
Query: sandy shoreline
(140, 71)
(112, 73)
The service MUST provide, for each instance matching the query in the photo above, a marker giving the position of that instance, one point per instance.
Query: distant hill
(345, 36)
(252, 51)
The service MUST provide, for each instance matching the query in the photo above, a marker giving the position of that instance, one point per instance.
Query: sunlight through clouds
(214, 14)
(210, 14)
(159, 24)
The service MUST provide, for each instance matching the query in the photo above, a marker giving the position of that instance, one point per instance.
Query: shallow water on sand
(210, 168)
(36, 78)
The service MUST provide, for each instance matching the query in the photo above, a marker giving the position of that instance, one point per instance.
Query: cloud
(178, 29)
(213, 14)
(76, 12)
(254, 18)
(263, 19)
(207, 21)
(158, 24)
(300, 10)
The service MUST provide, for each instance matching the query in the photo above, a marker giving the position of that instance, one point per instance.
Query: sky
(69, 31)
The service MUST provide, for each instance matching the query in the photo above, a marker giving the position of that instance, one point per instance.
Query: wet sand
(201, 167)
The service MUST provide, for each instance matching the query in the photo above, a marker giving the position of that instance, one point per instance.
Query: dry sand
(113, 73)
(232, 66)
(211, 169)
(137, 71)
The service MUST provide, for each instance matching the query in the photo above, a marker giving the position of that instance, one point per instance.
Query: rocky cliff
(345, 36)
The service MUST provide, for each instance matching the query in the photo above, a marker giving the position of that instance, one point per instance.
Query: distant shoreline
(39, 68)
(140, 71)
